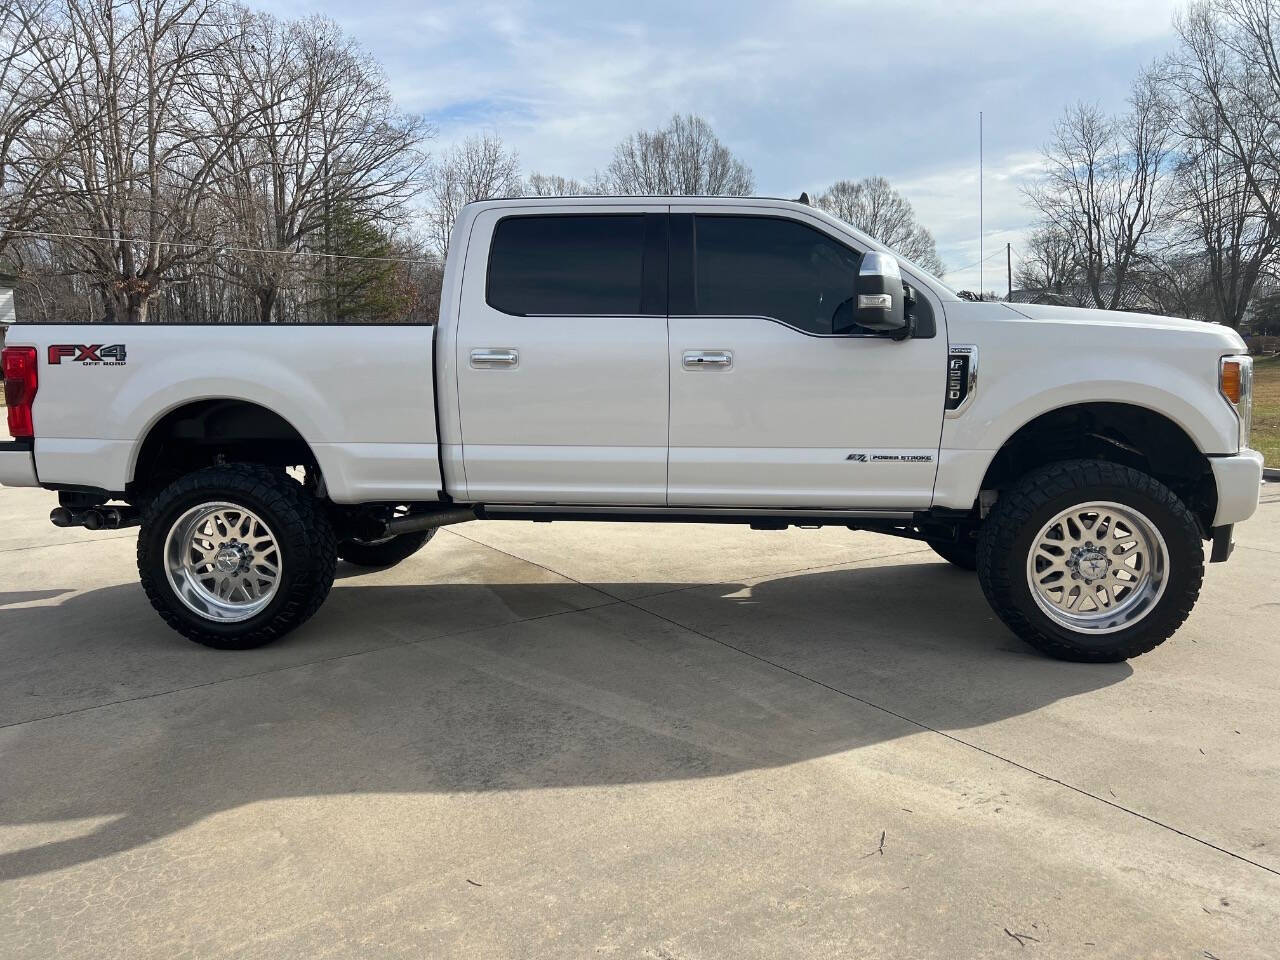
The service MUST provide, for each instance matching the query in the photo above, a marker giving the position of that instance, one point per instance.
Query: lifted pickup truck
(736, 360)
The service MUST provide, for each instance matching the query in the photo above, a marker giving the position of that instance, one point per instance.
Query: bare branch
(875, 208)
(684, 158)
(479, 168)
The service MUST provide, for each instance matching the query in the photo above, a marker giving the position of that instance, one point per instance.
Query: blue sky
(806, 93)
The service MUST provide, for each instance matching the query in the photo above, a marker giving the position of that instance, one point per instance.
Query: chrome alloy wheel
(223, 562)
(1098, 567)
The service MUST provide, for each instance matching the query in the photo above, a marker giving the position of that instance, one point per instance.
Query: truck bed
(361, 396)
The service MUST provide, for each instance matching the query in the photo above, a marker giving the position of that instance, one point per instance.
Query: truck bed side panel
(361, 396)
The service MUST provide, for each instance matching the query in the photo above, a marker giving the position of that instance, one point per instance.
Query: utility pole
(1008, 265)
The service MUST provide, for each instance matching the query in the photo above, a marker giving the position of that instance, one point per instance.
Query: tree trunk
(138, 308)
(109, 314)
(266, 302)
(122, 307)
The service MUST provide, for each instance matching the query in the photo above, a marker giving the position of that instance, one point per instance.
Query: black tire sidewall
(963, 556)
(281, 509)
(1184, 558)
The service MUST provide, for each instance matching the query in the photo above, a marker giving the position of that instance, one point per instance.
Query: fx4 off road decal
(91, 354)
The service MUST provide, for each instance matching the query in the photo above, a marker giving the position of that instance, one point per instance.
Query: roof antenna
(804, 198)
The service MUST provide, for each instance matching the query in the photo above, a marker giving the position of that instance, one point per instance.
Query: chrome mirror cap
(877, 264)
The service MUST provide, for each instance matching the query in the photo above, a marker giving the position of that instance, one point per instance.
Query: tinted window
(567, 264)
(769, 267)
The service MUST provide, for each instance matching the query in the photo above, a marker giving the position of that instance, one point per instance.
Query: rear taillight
(20, 382)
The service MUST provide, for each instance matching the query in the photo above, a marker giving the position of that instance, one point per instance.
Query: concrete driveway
(565, 740)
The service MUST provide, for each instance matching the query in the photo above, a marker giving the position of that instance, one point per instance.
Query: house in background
(1079, 295)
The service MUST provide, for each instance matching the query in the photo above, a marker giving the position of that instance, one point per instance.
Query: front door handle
(705, 359)
(488, 357)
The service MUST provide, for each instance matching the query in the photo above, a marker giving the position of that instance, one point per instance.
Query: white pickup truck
(711, 360)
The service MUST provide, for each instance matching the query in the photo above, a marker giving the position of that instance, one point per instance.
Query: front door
(769, 406)
(562, 357)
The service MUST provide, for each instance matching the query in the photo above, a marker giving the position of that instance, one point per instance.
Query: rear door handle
(704, 359)
(489, 357)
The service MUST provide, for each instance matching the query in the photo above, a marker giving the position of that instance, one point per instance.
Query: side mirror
(879, 298)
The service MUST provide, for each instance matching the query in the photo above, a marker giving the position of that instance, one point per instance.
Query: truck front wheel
(1091, 561)
(235, 556)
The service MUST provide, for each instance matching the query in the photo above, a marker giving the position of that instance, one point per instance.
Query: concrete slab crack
(916, 723)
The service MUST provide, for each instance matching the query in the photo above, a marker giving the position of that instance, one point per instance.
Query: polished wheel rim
(1098, 567)
(223, 562)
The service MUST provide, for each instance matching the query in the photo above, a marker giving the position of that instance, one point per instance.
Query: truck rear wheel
(1091, 561)
(383, 553)
(963, 555)
(235, 556)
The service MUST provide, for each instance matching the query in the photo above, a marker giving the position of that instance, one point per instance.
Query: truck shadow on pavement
(473, 687)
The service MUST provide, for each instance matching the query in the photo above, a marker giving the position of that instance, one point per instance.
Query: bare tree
(1265, 310)
(1049, 263)
(554, 185)
(684, 158)
(480, 168)
(1220, 223)
(1103, 188)
(1223, 90)
(875, 208)
(155, 149)
(134, 190)
(327, 144)
(35, 69)
(1175, 282)
(1229, 65)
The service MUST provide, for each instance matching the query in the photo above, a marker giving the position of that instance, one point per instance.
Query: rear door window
(567, 265)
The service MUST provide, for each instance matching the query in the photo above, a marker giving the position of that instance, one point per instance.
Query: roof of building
(1079, 295)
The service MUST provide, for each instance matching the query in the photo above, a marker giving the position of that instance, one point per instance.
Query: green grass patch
(1266, 409)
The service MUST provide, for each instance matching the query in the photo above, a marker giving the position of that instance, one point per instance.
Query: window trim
(654, 257)
(683, 282)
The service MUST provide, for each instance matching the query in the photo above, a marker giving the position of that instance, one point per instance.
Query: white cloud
(806, 94)
(946, 201)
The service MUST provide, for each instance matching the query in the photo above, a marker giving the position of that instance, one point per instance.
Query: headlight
(1235, 382)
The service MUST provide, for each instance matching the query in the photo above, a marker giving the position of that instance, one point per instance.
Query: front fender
(1012, 394)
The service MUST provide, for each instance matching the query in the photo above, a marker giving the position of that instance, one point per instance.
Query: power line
(970, 266)
(220, 248)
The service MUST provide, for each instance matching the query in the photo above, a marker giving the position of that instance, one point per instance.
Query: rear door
(562, 356)
(769, 405)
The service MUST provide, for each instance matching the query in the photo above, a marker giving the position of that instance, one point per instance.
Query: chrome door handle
(702, 359)
(494, 358)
